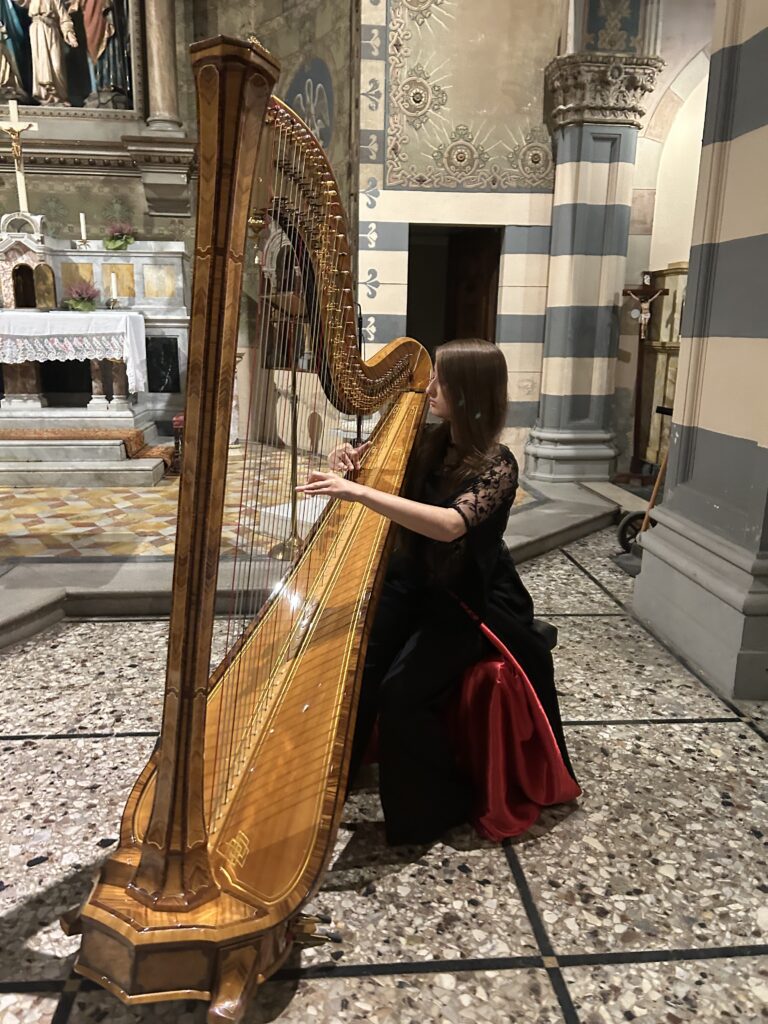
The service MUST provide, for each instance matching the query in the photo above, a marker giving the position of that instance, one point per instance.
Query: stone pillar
(23, 390)
(704, 581)
(594, 112)
(160, 27)
(121, 401)
(98, 402)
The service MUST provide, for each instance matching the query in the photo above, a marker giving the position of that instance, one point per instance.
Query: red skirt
(506, 745)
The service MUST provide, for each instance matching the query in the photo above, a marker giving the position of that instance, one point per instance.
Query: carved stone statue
(10, 78)
(50, 27)
(103, 26)
(15, 46)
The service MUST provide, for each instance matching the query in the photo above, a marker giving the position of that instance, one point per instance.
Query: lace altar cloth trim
(39, 337)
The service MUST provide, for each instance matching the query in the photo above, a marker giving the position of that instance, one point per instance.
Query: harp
(228, 829)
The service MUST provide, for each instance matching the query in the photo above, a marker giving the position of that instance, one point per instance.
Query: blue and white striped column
(704, 582)
(596, 117)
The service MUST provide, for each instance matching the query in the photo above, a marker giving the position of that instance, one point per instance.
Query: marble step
(129, 473)
(62, 451)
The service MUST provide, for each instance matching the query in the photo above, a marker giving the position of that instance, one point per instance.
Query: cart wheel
(628, 529)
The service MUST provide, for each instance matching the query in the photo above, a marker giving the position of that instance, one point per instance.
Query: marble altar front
(148, 286)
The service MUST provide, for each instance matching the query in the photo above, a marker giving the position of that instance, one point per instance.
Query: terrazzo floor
(73, 524)
(645, 901)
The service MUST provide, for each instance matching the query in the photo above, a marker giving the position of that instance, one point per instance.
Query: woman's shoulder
(504, 458)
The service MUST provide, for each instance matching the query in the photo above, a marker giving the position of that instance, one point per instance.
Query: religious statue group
(66, 52)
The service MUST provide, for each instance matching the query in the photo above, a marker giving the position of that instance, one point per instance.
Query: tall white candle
(13, 110)
(83, 234)
(113, 284)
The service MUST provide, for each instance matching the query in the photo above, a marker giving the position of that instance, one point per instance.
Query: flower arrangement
(81, 297)
(120, 234)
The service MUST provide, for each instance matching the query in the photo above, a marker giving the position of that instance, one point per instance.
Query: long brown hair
(473, 376)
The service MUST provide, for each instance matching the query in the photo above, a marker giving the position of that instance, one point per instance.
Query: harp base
(139, 961)
(227, 977)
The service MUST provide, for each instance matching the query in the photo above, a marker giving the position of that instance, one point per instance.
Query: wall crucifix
(14, 128)
(644, 294)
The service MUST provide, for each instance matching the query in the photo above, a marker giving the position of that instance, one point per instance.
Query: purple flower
(83, 291)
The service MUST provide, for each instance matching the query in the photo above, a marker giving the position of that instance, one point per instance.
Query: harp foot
(235, 985)
(71, 922)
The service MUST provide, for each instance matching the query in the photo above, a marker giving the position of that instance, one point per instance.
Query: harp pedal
(306, 930)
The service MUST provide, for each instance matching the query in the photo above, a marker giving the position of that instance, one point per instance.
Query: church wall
(686, 32)
(316, 43)
(452, 132)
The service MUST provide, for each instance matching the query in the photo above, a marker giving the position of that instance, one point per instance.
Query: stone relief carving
(599, 88)
(446, 128)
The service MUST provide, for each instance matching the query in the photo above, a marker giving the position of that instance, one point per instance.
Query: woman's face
(438, 401)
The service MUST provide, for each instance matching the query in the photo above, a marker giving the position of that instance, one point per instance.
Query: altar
(30, 338)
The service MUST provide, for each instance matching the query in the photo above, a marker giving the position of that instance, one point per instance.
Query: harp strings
(305, 206)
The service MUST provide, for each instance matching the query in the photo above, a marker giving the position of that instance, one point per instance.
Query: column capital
(598, 88)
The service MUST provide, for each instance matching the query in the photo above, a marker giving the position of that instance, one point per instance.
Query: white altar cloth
(30, 336)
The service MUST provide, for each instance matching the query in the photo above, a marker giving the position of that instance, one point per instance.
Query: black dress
(423, 641)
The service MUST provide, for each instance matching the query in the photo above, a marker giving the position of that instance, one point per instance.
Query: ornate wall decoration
(419, 98)
(613, 26)
(531, 160)
(420, 10)
(462, 156)
(468, 115)
(310, 94)
(599, 88)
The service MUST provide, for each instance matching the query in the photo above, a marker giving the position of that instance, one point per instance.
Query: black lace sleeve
(488, 492)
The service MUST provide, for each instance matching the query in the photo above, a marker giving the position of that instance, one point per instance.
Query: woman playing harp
(450, 557)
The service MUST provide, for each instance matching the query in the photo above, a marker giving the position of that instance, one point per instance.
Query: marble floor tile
(667, 848)
(595, 553)
(420, 903)
(756, 710)
(60, 808)
(83, 677)
(557, 585)
(610, 667)
(464, 998)
(704, 991)
(21, 1008)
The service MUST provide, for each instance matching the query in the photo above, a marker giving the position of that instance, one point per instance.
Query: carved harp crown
(230, 826)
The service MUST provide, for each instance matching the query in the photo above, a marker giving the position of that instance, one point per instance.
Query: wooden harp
(230, 826)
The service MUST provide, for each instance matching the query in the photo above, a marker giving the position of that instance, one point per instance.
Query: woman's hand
(346, 459)
(332, 485)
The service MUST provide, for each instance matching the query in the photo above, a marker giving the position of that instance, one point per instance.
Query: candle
(113, 284)
(13, 110)
(83, 234)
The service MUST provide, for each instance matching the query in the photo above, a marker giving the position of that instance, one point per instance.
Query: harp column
(234, 83)
(594, 111)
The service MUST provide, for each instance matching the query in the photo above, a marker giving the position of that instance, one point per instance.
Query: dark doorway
(453, 283)
(24, 287)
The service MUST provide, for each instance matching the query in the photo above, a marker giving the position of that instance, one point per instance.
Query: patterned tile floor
(645, 901)
(112, 522)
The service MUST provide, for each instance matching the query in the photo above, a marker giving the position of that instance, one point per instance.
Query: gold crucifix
(14, 127)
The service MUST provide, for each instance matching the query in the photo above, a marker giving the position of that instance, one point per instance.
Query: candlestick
(83, 234)
(113, 285)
